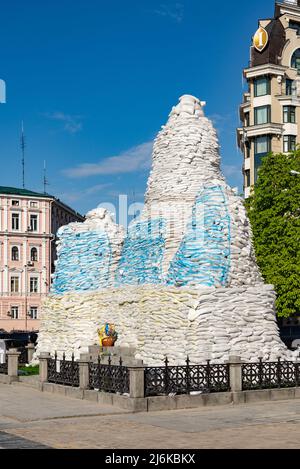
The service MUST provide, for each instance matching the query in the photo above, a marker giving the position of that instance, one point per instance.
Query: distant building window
(262, 115)
(15, 256)
(34, 285)
(247, 178)
(33, 223)
(14, 312)
(295, 63)
(15, 203)
(15, 285)
(33, 204)
(15, 221)
(289, 143)
(289, 114)
(34, 255)
(262, 86)
(33, 311)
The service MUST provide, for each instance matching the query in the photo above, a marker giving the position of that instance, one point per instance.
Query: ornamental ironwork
(3, 368)
(109, 378)
(65, 372)
(23, 357)
(167, 380)
(270, 375)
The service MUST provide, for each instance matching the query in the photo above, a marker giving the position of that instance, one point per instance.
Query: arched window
(15, 254)
(295, 63)
(34, 255)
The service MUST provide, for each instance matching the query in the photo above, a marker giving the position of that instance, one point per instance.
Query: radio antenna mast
(45, 180)
(23, 145)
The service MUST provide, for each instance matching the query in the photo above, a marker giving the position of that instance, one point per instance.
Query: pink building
(28, 225)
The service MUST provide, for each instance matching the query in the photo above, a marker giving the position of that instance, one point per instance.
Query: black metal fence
(109, 378)
(3, 368)
(166, 380)
(63, 371)
(23, 358)
(272, 375)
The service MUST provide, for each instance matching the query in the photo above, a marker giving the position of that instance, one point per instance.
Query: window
(33, 204)
(33, 285)
(15, 203)
(262, 145)
(295, 62)
(33, 222)
(261, 148)
(289, 143)
(247, 178)
(289, 114)
(15, 222)
(33, 312)
(262, 115)
(247, 123)
(247, 150)
(34, 255)
(262, 86)
(15, 254)
(290, 87)
(14, 312)
(15, 285)
(295, 25)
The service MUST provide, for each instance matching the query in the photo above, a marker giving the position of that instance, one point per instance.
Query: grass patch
(29, 370)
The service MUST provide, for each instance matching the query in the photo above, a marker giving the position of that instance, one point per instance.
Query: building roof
(26, 193)
(22, 192)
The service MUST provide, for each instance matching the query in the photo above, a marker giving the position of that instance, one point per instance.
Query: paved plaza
(31, 419)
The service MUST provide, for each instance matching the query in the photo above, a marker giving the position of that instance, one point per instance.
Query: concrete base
(4, 379)
(163, 403)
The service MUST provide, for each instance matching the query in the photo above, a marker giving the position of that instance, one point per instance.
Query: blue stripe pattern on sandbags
(142, 256)
(204, 255)
(83, 262)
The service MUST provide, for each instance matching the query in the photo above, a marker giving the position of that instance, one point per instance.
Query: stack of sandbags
(88, 254)
(142, 255)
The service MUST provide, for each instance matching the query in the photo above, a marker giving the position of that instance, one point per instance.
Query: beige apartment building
(270, 112)
(28, 225)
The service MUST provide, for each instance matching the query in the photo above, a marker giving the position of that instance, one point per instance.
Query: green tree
(274, 212)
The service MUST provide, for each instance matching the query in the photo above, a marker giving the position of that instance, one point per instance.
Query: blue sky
(94, 81)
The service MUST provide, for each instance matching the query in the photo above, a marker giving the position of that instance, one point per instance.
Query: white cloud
(133, 160)
(74, 196)
(71, 123)
(232, 171)
(174, 12)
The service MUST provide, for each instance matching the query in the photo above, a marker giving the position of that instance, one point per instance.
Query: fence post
(30, 351)
(13, 363)
(43, 358)
(84, 375)
(235, 373)
(137, 382)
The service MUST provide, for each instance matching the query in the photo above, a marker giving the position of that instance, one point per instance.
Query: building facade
(270, 112)
(28, 225)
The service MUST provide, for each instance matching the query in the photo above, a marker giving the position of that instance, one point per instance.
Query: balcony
(263, 129)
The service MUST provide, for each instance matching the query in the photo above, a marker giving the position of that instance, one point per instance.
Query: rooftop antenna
(45, 180)
(23, 145)
(134, 215)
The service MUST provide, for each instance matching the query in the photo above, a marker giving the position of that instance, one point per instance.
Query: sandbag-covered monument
(183, 280)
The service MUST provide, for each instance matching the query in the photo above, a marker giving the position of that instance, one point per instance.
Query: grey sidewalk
(59, 422)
